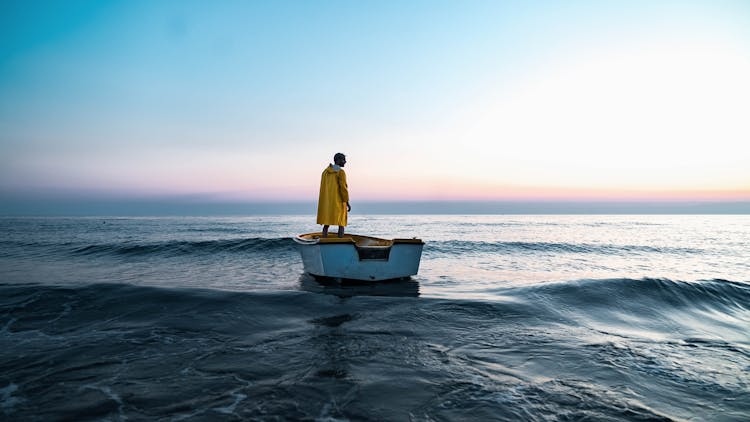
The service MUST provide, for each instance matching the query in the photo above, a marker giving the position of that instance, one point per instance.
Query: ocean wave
(648, 308)
(617, 293)
(465, 246)
(182, 247)
(636, 297)
(114, 350)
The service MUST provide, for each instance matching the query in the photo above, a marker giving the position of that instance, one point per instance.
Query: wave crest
(173, 247)
(464, 246)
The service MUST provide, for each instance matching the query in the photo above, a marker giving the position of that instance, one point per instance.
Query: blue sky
(431, 100)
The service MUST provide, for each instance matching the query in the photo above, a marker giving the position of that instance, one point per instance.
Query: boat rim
(316, 238)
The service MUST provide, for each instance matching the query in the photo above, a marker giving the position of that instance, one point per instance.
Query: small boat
(358, 257)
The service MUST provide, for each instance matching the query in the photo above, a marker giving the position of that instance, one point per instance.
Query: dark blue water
(510, 318)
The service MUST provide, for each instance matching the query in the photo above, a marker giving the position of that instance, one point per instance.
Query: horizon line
(191, 207)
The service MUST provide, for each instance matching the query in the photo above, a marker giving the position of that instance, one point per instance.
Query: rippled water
(509, 318)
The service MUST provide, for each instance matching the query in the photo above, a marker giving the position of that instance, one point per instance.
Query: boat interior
(358, 240)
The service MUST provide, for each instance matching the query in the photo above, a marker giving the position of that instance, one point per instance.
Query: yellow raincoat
(334, 195)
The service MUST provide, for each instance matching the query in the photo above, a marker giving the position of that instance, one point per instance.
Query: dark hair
(338, 156)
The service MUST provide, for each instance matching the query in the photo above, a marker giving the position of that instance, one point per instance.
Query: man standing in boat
(333, 203)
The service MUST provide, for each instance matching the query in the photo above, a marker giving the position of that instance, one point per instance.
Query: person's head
(339, 159)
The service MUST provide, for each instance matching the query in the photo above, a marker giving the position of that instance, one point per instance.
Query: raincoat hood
(333, 168)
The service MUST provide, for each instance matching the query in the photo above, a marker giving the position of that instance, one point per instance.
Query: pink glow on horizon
(445, 191)
(303, 186)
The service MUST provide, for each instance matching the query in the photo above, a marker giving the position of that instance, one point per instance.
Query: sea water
(510, 318)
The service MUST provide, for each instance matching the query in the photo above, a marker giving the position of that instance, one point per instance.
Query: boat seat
(373, 243)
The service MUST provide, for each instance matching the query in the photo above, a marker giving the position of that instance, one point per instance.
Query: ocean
(511, 318)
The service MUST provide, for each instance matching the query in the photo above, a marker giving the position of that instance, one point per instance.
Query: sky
(430, 100)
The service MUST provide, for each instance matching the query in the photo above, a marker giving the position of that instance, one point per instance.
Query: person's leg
(325, 230)
(341, 231)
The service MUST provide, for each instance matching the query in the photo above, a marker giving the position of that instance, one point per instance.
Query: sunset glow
(429, 100)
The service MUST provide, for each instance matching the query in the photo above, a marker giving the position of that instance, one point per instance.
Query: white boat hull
(360, 257)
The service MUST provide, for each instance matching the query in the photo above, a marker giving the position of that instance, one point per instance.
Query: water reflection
(349, 288)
